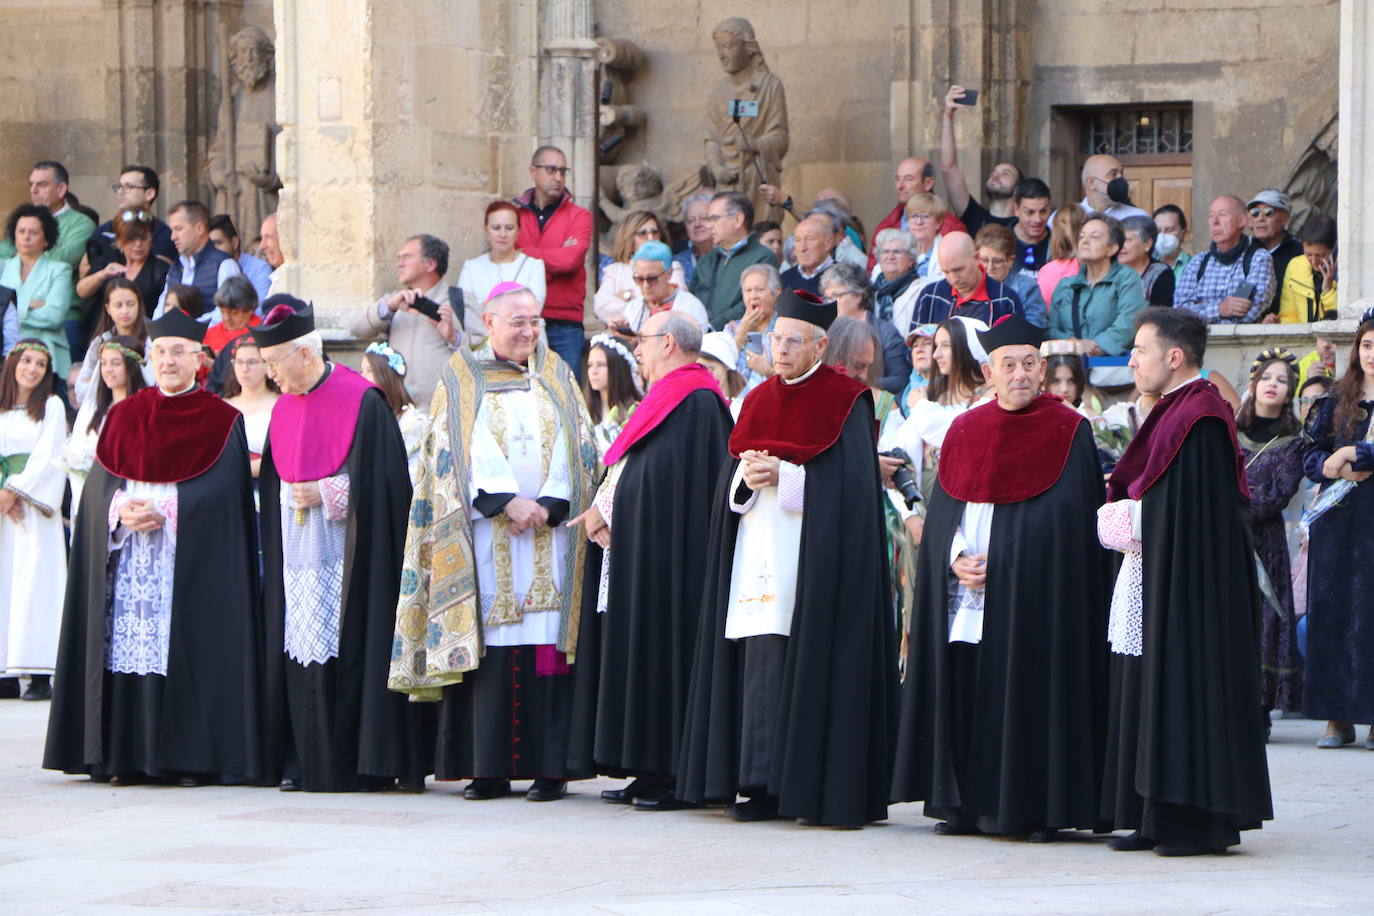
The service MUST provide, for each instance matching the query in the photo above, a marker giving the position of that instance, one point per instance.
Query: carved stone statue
(242, 160)
(731, 162)
(639, 188)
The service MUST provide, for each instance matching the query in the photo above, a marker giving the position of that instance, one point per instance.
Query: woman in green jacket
(43, 286)
(1096, 308)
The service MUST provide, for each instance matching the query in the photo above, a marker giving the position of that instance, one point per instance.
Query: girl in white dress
(33, 553)
(385, 368)
(252, 393)
(120, 366)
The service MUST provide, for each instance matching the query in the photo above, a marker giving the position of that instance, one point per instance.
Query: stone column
(1355, 177)
(397, 119)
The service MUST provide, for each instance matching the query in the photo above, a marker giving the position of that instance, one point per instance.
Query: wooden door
(1153, 186)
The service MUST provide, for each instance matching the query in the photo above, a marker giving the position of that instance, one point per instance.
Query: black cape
(832, 753)
(1185, 753)
(1011, 731)
(634, 662)
(206, 717)
(336, 726)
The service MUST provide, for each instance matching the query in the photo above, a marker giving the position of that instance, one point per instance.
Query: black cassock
(205, 717)
(634, 662)
(1185, 755)
(335, 727)
(1008, 734)
(816, 710)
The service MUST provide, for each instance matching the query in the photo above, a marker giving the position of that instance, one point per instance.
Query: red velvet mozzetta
(796, 422)
(154, 438)
(991, 455)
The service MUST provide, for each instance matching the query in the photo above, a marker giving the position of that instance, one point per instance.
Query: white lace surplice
(312, 573)
(139, 622)
(1119, 528)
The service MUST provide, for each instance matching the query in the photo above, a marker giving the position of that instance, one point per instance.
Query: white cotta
(312, 546)
(33, 551)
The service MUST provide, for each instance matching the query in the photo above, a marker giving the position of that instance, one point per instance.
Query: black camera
(427, 307)
(904, 478)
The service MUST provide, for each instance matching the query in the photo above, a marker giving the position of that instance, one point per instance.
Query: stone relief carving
(639, 188)
(742, 153)
(242, 160)
(1312, 183)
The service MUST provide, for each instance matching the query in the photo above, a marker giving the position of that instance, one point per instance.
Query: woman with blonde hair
(618, 288)
(1065, 226)
(925, 213)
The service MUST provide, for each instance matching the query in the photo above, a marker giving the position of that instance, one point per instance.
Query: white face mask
(1166, 245)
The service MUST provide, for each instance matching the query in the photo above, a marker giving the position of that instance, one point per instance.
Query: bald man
(965, 291)
(914, 174)
(1233, 280)
(813, 249)
(1105, 189)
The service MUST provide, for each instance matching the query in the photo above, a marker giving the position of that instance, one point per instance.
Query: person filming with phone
(418, 318)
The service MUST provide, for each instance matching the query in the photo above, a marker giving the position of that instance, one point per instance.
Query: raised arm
(949, 156)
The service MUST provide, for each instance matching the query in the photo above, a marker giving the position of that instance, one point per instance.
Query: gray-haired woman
(847, 284)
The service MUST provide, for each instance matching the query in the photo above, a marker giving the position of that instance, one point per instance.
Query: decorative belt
(11, 465)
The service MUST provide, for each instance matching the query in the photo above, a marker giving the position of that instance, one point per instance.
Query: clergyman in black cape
(1186, 767)
(1004, 707)
(335, 491)
(159, 671)
(637, 638)
(793, 698)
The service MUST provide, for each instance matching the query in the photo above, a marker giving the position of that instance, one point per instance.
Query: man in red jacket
(914, 175)
(558, 232)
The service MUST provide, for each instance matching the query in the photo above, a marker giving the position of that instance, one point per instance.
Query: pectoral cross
(523, 438)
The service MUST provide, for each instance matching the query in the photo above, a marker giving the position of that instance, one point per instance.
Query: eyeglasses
(787, 341)
(920, 217)
(717, 217)
(650, 336)
(893, 253)
(646, 231)
(132, 216)
(174, 352)
(645, 279)
(994, 262)
(117, 187)
(1265, 212)
(521, 323)
(560, 170)
(247, 363)
(272, 364)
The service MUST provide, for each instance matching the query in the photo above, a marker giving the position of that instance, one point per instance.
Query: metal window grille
(1139, 131)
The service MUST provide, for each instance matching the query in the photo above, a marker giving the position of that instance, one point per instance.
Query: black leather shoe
(40, 688)
(1185, 849)
(289, 784)
(120, 780)
(622, 796)
(954, 828)
(1132, 842)
(9, 688)
(663, 803)
(485, 788)
(189, 782)
(547, 790)
(759, 808)
(1042, 836)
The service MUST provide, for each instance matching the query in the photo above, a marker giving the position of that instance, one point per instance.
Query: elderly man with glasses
(491, 584)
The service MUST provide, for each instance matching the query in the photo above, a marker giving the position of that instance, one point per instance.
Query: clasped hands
(139, 515)
(760, 469)
(524, 514)
(1341, 465)
(971, 570)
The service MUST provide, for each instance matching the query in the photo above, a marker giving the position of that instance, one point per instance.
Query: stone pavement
(70, 846)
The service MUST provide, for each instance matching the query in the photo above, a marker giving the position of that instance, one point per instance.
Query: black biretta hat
(287, 318)
(176, 323)
(1011, 330)
(805, 306)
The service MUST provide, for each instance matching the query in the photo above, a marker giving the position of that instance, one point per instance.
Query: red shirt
(219, 337)
(979, 294)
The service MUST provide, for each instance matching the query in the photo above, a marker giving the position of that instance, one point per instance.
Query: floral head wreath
(33, 345)
(1272, 354)
(123, 351)
(393, 359)
(611, 344)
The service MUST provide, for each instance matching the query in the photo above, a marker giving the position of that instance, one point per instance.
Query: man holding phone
(418, 318)
(1001, 183)
(1233, 281)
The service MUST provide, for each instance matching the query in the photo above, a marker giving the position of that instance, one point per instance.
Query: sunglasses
(1265, 212)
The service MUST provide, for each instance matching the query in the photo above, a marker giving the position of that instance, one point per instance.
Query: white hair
(313, 341)
(769, 271)
(901, 236)
(685, 331)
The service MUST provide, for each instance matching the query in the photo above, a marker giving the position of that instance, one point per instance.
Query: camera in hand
(427, 307)
(904, 478)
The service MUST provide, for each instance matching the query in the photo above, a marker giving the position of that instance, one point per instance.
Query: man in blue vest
(199, 263)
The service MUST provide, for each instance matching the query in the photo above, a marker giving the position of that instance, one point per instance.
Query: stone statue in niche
(242, 160)
(639, 188)
(743, 154)
(1312, 183)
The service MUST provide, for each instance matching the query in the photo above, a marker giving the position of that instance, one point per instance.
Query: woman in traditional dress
(612, 386)
(1338, 445)
(1270, 439)
(33, 555)
(120, 365)
(385, 368)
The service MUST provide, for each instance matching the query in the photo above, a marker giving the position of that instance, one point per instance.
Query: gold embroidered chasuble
(440, 621)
